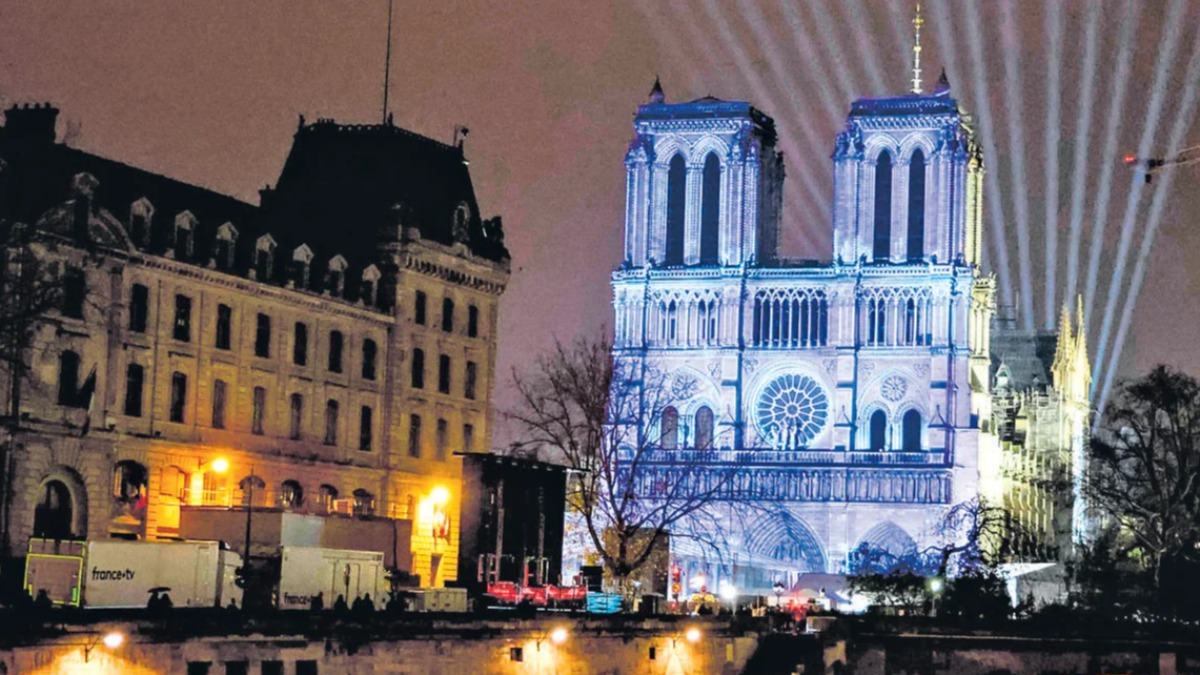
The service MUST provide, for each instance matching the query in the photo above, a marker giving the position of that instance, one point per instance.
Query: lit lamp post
(110, 640)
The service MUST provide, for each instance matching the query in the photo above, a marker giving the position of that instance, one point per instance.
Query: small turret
(656, 92)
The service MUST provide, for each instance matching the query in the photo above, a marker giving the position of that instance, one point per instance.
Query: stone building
(326, 352)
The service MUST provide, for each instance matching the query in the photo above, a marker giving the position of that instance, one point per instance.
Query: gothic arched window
(911, 431)
(910, 322)
(704, 428)
(710, 212)
(916, 206)
(882, 249)
(676, 202)
(670, 429)
(878, 431)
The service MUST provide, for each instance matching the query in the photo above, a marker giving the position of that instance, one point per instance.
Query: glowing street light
(692, 635)
(110, 640)
(558, 635)
(220, 465)
(440, 496)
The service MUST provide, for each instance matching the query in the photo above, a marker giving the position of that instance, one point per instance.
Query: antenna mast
(917, 23)
(387, 64)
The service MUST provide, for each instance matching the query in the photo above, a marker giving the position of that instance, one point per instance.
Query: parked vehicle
(122, 574)
(306, 571)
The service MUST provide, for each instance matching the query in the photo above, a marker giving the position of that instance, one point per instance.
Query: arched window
(364, 503)
(129, 481)
(291, 494)
(911, 431)
(910, 322)
(710, 211)
(916, 206)
(328, 493)
(704, 428)
(882, 249)
(53, 516)
(676, 203)
(670, 429)
(253, 490)
(878, 430)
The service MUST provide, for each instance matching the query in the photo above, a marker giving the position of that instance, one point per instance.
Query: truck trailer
(122, 574)
(305, 571)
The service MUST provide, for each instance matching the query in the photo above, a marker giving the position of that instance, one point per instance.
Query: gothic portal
(846, 395)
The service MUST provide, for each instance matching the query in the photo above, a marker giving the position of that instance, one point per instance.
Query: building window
(364, 428)
(307, 667)
(135, 378)
(469, 384)
(447, 315)
(366, 294)
(676, 203)
(223, 248)
(419, 308)
(704, 428)
(878, 431)
(184, 226)
(224, 326)
(178, 396)
(199, 667)
(139, 308)
(335, 351)
(271, 668)
(443, 433)
(418, 369)
(368, 359)
(300, 344)
(183, 318)
(138, 228)
(444, 374)
(472, 321)
(670, 429)
(916, 206)
(219, 399)
(327, 495)
(295, 416)
(911, 431)
(291, 494)
(259, 411)
(710, 211)
(364, 503)
(264, 254)
(331, 422)
(68, 379)
(414, 435)
(301, 260)
(882, 249)
(468, 438)
(73, 293)
(262, 336)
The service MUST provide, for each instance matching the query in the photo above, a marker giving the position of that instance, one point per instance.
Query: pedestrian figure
(368, 606)
(339, 605)
(153, 603)
(43, 604)
(317, 603)
(165, 603)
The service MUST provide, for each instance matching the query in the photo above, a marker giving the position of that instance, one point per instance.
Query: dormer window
(370, 284)
(185, 228)
(141, 214)
(335, 280)
(223, 249)
(462, 218)
(264, 257)
(301, 262)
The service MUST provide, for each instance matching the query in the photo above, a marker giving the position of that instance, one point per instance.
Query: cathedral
(851, 400)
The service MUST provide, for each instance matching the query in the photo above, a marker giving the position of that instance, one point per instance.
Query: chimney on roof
(31, 123)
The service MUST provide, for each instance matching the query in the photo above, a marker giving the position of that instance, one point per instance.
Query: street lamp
(111, 640)
(558, 635)
(692, 635)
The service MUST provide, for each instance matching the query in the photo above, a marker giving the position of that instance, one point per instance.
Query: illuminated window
(183, 318)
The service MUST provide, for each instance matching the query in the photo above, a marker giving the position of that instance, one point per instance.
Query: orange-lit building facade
(325, 352)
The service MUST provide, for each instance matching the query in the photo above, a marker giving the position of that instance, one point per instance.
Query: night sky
(209, 92)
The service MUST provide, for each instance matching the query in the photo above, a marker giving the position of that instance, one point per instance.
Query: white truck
(305, 571)
(121, 574)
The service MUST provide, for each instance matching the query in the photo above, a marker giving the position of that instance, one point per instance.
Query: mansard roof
(1025, 356)
(344, 177)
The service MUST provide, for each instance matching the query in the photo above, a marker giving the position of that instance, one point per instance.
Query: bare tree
(1144, 474)
(973, 535)
(607, 420)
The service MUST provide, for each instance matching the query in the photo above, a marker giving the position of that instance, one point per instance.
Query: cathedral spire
(917, 23)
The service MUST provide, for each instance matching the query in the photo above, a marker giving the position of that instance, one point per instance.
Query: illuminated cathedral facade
(846, 397)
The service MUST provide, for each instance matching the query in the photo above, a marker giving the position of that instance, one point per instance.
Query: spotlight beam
(1129, 23)
(1054, 36)
(1016, 147)
(1185, 117)
(831, 100)
(828, 31)
(1087, 91)
(1162, 72)
(991, 182)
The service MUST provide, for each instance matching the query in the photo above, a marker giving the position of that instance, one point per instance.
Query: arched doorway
(61, 508)
(788, 542)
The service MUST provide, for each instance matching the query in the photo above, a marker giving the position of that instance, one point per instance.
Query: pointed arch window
(878, 431)
(704, 428)
(910, 433)
(710, 211)
(916, 206)
(882, 249)
(676, 203)
(670, 429)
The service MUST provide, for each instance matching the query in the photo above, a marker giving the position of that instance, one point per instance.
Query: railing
(777, 457)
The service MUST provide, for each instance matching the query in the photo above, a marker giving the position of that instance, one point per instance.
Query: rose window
(792, 410)
(894, 388)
